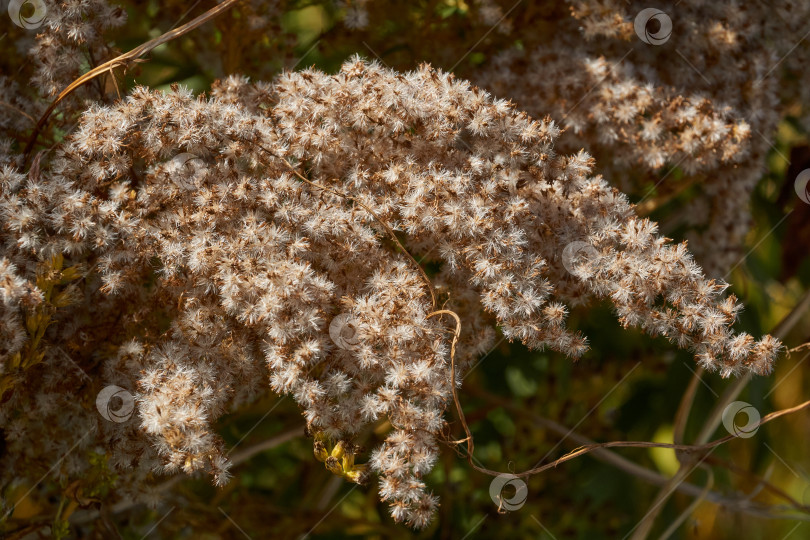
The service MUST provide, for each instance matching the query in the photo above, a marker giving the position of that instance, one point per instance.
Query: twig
(643, 528)
(689, 509)
(645, 208)
(761, 483)
(125, 60)
(244, 455)
(700, 448)
(679, 426)
(632, 468)
(237, 459)
(329, 492)
(801, 347)
(688, 399)
(779, 332)
(18, 110)
(716, 415)
(582, 450)
(461, 417)
(786, 325)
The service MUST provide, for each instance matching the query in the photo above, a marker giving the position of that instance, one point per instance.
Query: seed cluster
(219, 238)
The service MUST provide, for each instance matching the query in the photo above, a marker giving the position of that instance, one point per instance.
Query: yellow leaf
(16, 360)
(6, 383)
(69, 274)
(31, 323)
(57, 261)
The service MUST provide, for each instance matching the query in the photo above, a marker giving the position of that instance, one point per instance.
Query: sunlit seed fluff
(253, 266)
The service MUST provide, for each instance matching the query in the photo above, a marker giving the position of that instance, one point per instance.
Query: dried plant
(257, 259)
(194, 252)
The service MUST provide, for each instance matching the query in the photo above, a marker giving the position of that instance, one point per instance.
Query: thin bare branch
(736, 504)
(124, 60)
(691, 508)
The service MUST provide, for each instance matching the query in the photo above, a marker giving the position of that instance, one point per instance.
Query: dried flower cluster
(203, 251)
(692, 118)
(219, 238)
(707, 100)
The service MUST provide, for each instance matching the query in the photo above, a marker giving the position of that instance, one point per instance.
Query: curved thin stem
(688, 399)
(698, 450)
(124, 60)
(779, 332)
(612, 458)
(18, 110)
(244, 455)
(238, 458)
(731, 393)
(691, 508)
